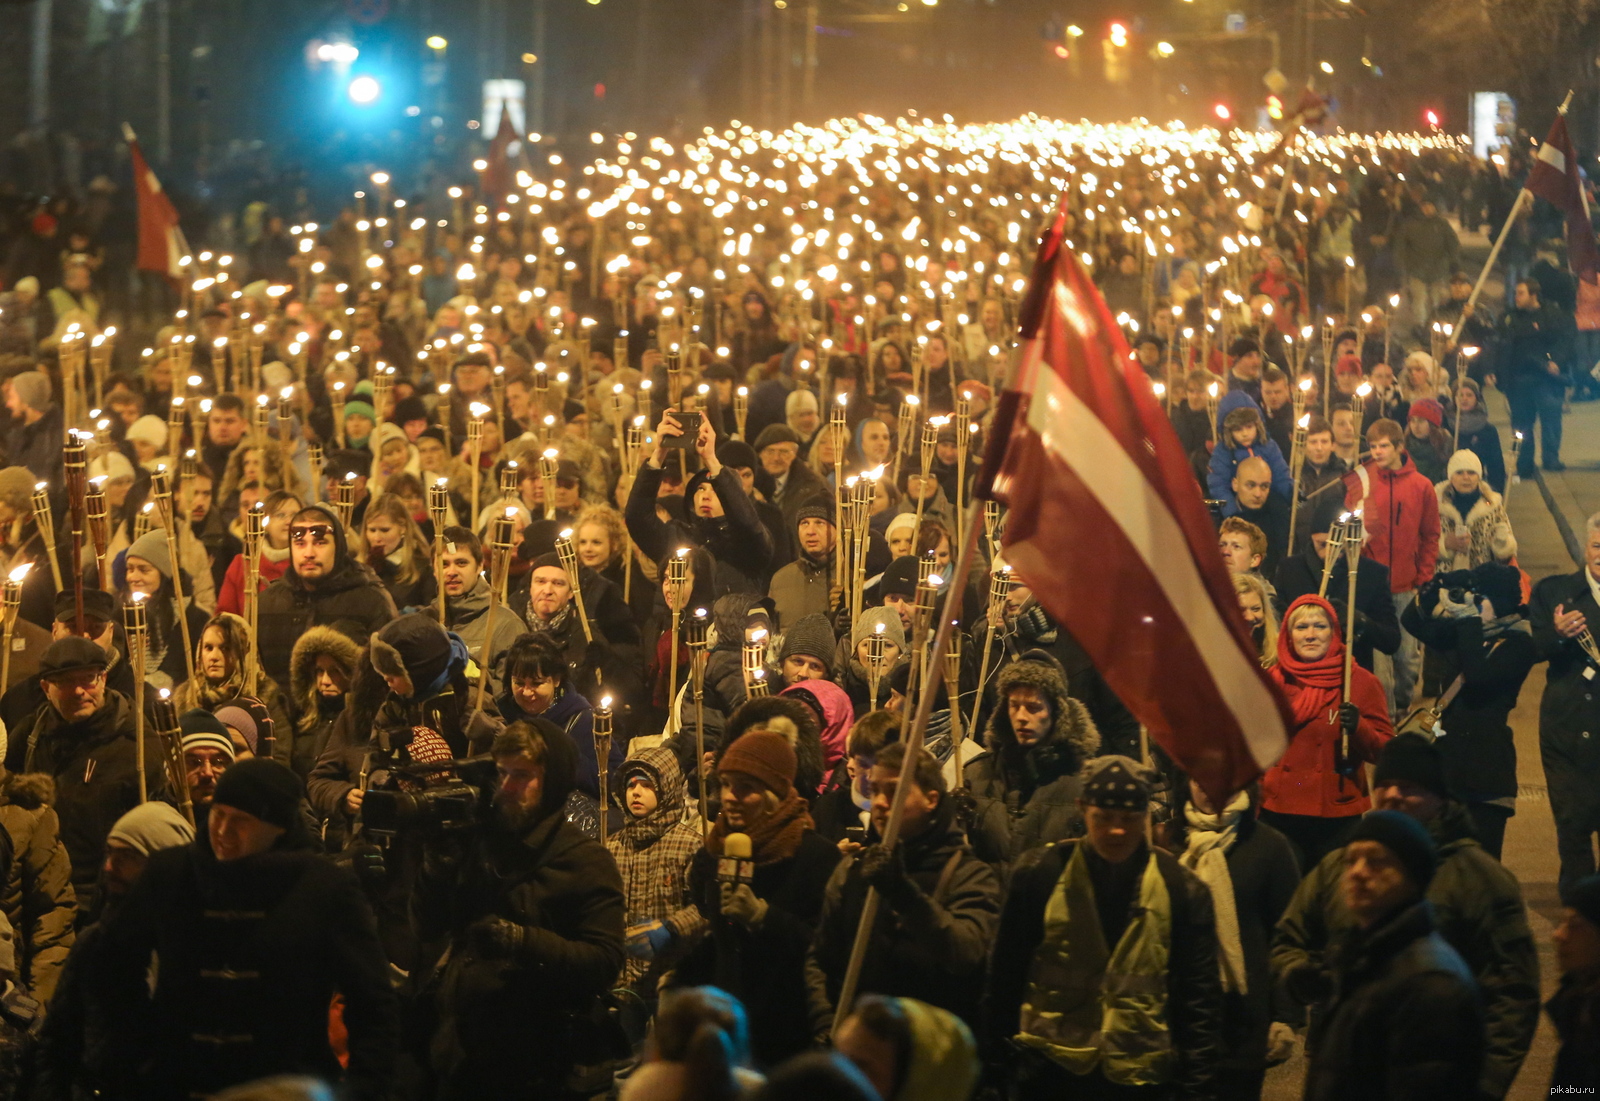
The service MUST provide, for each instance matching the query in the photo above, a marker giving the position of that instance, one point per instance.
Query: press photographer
(531, 914)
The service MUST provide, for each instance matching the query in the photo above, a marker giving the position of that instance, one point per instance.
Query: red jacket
(1304, 780)
(1401, 512)
(231, 598)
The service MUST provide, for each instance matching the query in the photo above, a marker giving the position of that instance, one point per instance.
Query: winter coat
(1225, 458)
(1477, 908)
(350, 598)
(1486, 521)
(1529, 340)
(1194, 985)
(515, 1027)
(802, 588)
(1401, 512)
(1028, 796)
(1568, 715)
(94, 765)
(468, 616)
(252, 952)
(37, 446)
(653, 856)
(1480, 755)
(1306, 779)
(37, 896)
(738, 541)
(420, 592)
(1575, 1012)
(572, 713)
(1426, 248)
(1405, 1025)
(932, 945)
(230, 598)
(1483, 440)
(1377, 626)
(764, 967)
(1431, 454)
(313, 720)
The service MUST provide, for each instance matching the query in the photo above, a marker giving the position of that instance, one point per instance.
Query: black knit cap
(817, 508)
(410, 408)
(900, 577)
(572, 409)
(1403, 836)
(1584, 897)
(1115, 782)
(1411, 759)
(414, 646)
(1242, 346)
(264, 788)
(737, 454)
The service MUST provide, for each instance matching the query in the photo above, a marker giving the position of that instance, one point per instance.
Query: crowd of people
(475, 656)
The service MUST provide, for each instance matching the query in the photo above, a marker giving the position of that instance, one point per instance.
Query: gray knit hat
(812, 636)
(32, 389)
(152, 547)
(150, 827)
(893, 630)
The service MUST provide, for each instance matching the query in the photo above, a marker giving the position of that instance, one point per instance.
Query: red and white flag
(1554, 178)
(1108, 528)
(161, 243)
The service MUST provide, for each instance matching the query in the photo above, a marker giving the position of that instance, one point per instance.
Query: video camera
(431, 798)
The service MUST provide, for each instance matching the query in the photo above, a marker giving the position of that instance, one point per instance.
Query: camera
(1461, 596)
(431, 798)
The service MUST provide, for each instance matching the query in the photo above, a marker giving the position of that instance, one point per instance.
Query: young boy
(841, 811)
(1244, 435)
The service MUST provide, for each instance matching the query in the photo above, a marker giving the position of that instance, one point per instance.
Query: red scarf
(1313, 687)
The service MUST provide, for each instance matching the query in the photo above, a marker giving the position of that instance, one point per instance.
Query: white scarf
(1210, 838)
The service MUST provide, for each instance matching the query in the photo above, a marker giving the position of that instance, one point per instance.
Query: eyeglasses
(316, 534)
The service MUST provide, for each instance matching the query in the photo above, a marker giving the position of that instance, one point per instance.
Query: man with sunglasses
(83, 737)
(323, 586)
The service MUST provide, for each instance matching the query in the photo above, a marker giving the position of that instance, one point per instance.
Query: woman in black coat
(1484, 640)
(1261, 877)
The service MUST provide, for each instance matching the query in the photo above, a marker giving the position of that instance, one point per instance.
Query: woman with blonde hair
(601, 541)
(265, 465)
(1256, 605)
(397, 553)
(221, 659)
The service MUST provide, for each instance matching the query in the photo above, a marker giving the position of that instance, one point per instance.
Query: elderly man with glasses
(323, 586)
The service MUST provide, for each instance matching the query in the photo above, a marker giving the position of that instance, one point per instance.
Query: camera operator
(533, 913)
(426, 669)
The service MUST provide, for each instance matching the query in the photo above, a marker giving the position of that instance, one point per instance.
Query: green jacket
(1478, 910)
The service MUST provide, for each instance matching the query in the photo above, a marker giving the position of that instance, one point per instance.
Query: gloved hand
(646, 942)
(483, 727)
(496, 938)
(740, 904)
(366, 861)
(966, 807)
(1309, 984)
(1349, 718)
(885, 870)
(1280, 1043)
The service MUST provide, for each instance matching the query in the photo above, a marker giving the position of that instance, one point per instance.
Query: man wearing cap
(74, 1057)
(1377, 626)
(1244, 367)
(806, 586)
(100, 625)
(1575, 1007)
(466, 602)
(35, 437)
(533, 912)
(1104, 976)
(255, 933)
(784, 479)
(83, 738)
(1475, 905)
(208, 750)
(1402, 1017)
(322, 586)
(808, 650)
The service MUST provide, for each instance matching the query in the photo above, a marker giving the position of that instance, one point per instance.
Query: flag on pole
(1554, 178)
(161, 243)
(1108, 529)
(499, 178)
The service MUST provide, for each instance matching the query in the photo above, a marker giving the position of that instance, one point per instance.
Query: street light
(365, 90)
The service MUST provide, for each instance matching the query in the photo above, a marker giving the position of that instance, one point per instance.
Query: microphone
(736, 865)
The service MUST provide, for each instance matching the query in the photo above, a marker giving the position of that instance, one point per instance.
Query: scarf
(1465, 502)
(1472, 421)
(1500, 625)
(1312, 686)
(776, 837)
(1210, 838)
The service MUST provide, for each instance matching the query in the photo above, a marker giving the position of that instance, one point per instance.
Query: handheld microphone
(736, 865)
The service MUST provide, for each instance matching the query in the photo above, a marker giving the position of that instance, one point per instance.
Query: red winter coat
(231, 598)
(1401, 512)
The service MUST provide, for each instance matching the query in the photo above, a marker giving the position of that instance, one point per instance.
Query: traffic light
(1274, 108)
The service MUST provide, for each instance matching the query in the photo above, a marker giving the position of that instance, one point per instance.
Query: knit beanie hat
(1349, 364)
(737, 454)
(1429, 410)
(812, 636)
(1403, 836)
(359, 409)
(203, 730)
(1411, 759)
(1115, 782)
(150, 827)
(113, 466)
(904, 520)
(149, 429)
(16, 488)
(1463, 460)
(152, 547)
(1584, 897)
(765, 755)
(776, 433)
(410, 408)
(231, 714)
(799, 401)
(412, 646)
(1501, 583)
(32, 389)
(264, 788)
(816, 508)
(866, 626)
(276, 376)
(899, 577)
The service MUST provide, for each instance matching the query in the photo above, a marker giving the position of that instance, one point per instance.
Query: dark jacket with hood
(37, 895)
(350, 598)
(94, 764)
(314, 716)
(515, 1027)
(1575, 1011)
(1476, 906)
(1028, 796)
(737, 540)
(252, 952)
(1405, 1023)
(932, 944)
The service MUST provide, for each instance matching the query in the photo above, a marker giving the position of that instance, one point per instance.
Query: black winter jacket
(738, 540)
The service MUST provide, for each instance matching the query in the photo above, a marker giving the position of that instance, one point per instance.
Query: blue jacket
(1224, 459)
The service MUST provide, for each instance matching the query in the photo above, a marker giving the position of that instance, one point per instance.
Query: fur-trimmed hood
(316, 642)
(1488, 530)
(795, 721)
(1073, 737)
(28, 790)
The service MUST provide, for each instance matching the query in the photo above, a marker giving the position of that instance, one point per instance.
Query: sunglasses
(317, 534)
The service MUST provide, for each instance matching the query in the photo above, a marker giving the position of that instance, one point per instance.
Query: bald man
(1252, 492)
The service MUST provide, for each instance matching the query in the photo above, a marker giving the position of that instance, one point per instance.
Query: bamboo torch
(12, 594)
(741, 409)
(94, 502)
(1463, 364)
(754, 662)
(699, 637)
(76, 468)
(438, 507)
(174, 426)
(133, 624)
(170, 734)
(501, 534)
(952, 684)
(602, 759)
(905, 428)
(569, 562)
(876, 644)
(861, 507)
(1297, 452)
(836, 425)
(314, 459)
(962, 422)
(475, 442)
(549, 466)
(161, 491)
(255, 527)
(344, 498)
(1354, 534)
(999, 591)
(443, 409)
(337, 400)
(677, 579)
(1331, 555)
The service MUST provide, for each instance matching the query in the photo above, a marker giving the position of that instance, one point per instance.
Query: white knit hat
(149, 429)
(1465, 460)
